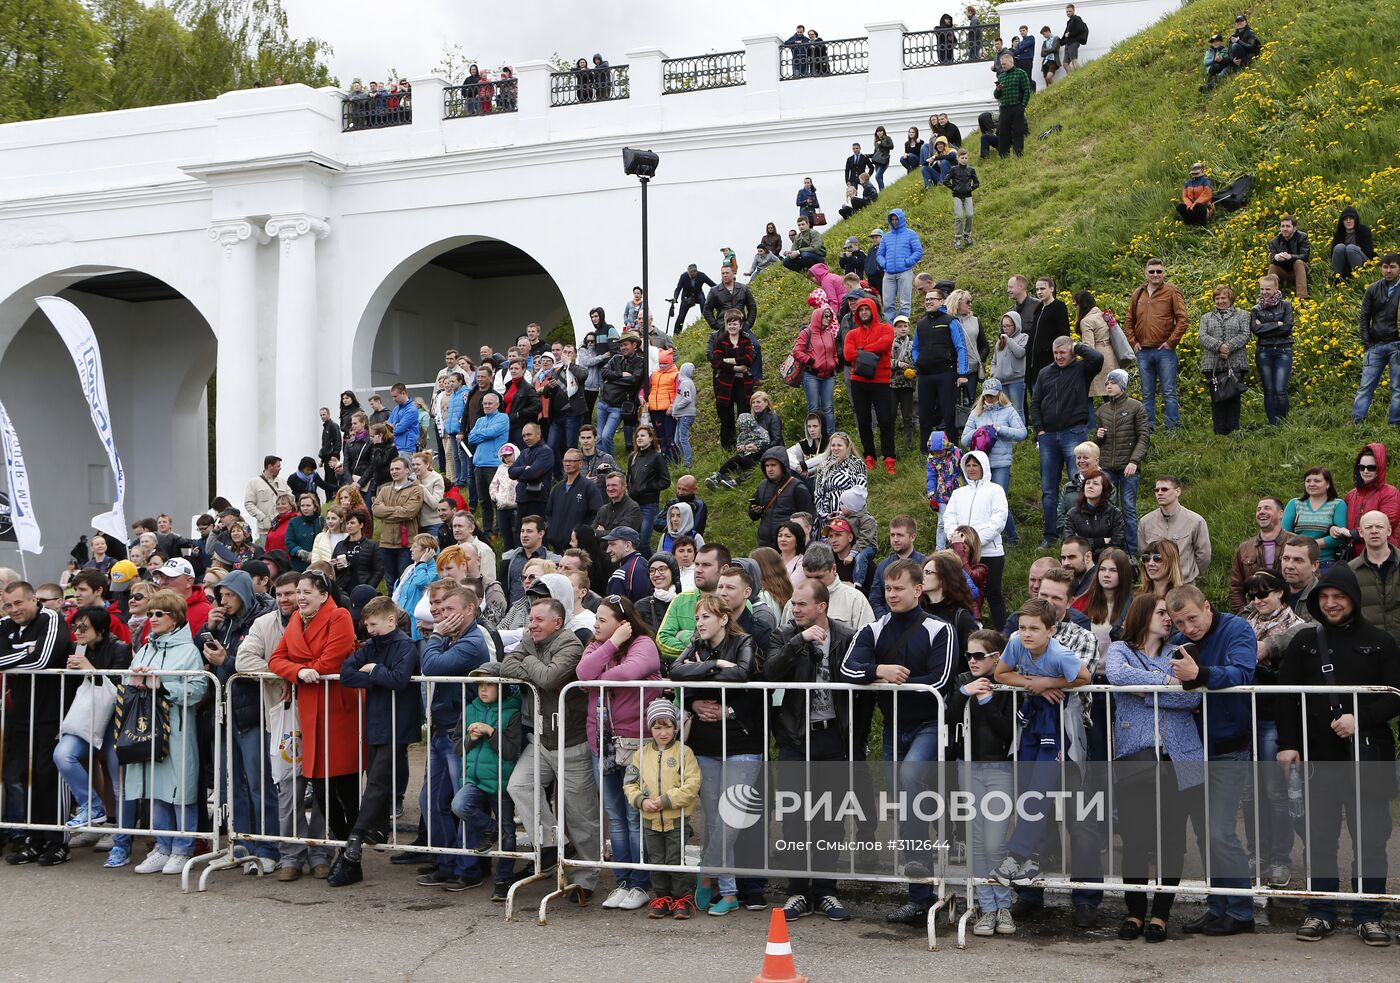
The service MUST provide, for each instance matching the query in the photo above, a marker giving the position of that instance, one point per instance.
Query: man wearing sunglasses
(1261, 552)
(1174, 521)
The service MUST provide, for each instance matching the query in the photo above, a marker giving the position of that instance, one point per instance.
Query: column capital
(230, 234)
(292, 227)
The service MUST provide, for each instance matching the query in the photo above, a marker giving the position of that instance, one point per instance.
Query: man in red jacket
(867, 352)
(178, 575)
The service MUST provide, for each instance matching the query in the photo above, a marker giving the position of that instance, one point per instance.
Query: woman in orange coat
(315, 644)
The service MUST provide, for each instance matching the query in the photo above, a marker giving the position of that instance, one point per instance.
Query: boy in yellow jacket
(662, 782)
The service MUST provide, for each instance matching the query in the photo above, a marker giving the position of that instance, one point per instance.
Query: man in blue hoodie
(404, 419)
(1223, 653)
(456, 647)
(900, 251)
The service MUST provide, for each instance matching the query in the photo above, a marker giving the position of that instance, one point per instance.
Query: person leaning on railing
(171, 786)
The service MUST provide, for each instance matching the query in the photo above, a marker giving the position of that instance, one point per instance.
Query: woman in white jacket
(981, 504)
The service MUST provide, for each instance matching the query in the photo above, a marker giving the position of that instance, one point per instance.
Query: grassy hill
(1316, 119)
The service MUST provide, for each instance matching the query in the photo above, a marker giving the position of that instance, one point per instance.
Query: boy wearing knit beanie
(663, 783)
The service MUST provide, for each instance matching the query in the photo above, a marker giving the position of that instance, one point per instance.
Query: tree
(50, 60)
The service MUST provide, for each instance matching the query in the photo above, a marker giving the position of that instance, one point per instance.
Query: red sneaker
(869, 463)
(660, 907)
(889, 465)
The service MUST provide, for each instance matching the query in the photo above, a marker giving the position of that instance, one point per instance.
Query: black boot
(345, 872)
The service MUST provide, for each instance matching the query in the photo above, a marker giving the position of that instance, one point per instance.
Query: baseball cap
(509, 449)
(878, 232)
(122, 575)
(491, 668)
(176, 566)
(838, 525)
(624, 532)
(852, 241)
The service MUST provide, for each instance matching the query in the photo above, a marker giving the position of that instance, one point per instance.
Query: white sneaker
(175, 864)
(636, 898)
(251, 865)
(615, 899)
(986, 924)
(82, 839)
(1005, 925)
(153, 864)
(105, 843)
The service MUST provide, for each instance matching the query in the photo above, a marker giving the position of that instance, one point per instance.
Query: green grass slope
(1316, 119)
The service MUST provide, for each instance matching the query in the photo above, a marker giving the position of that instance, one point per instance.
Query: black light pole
(642, 163)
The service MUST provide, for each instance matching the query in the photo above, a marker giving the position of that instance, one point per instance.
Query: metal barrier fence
(264, 717)
(818, 59)
(1250, 774)
(54, 788)
(745, 801)
(374, 113)
(950, 45)
(581, 85)
(480, 99)
(714, 71)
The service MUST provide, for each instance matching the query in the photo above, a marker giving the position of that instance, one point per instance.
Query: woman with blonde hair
(414, 581)
(332, 532)
(995, 414)
(841, 471)
(1161, 568)
(959, 304)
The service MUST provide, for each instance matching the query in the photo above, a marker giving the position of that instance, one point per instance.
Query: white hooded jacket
(980, 504)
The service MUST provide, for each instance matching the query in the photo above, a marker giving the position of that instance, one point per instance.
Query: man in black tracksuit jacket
(1060, 417)
(33, 637)
(1339, 731)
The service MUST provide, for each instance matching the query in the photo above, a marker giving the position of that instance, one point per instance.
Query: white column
(532, 89)
(761, 77)
(299, 386)
(644, 79)
(885, 80)
(236, 416)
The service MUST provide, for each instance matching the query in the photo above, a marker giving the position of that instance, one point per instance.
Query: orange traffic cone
(777, 957)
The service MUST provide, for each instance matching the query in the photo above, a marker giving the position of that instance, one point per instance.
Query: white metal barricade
(1258, 888)
(855, 758)
(274, 698)
(76, 736)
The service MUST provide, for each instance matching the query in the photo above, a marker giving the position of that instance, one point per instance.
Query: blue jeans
(558, 442)
(988, 836)
(683, 425)
(1275, 365)
(1127, 490)
(1002, 476)
(649, 511)
(396, 561)
(624, 827)
(1275, 845)
(443, 778)
(1016, 392)
(916, 745)
(254, 792)
(1228, 786)
(609, 419)
(716, 774)
(897, 290)
(1159, 365)
(1346, 259)
(480, 816)
(461, 460)
(1056, 454)
(164, 815)
(820, 395)
(1374, 362)
(70, 757)
(880, 176)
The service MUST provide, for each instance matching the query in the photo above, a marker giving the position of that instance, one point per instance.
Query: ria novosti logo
(740, 806)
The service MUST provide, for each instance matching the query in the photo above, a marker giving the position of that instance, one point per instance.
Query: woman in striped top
(1316, 512)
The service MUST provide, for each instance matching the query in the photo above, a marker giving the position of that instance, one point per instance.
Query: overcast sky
(408, 35)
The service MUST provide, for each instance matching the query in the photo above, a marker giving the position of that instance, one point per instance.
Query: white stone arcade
(246, 252)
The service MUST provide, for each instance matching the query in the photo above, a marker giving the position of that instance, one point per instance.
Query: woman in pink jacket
(815, 351)
(623, 648)
(830, 282)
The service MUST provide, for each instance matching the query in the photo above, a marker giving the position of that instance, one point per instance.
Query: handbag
(1119, 343)
(818, 218)
(791, 370)
(143, 725)
(90, 711)
(1225, 385)
(865, 365)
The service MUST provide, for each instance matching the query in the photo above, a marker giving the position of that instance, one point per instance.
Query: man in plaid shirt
(1013, 91)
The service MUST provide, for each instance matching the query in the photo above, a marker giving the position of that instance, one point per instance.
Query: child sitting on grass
(393, 718)
(661, 783)
(491, 745)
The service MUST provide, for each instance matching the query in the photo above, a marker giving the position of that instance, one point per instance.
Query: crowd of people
(382, 104)
(496, 528)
